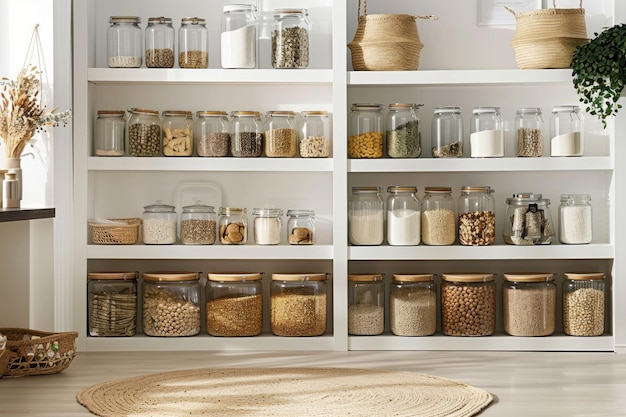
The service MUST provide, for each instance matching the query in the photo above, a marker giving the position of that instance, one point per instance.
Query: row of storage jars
(434, 220)
(212, 133)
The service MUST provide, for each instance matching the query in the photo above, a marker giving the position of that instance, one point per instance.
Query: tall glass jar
(316, 139)
(477, 216)
(268, 226)
(528, 220)
(124, 42)
(143, 132)
(112, 303)
(281, 134)
(301, 227)
(246, 136)
(413, 305)
(233, 226)
(109, 133)
(487, 133)
(468, 304)
(193, 43)
(403, 216)
(584, 303)
(160, 43)
(212, 133)
(177, 133)
(566, 131)
(239, 36)
(529, 132)
(403, 136)
(447, 132)
(290, 38)
(366, 216)
(198, 225)
(366, 304)
(438, 224)
(575, 220)
(159, 224)
(366, 131)
(529, 304)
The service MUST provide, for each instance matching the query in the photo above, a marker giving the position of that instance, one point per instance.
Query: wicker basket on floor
(115, 234)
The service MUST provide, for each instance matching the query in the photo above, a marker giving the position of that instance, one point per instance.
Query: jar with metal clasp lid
(566, 129)
(316, 139)
(529, 132)
(239, 36)
(246, 137)
(159, 224)
(112, 303)
(366, 304)
(528, 220)
(212, 133)
(584, 303)
(124, 42)
(233, 226)
(290, 38)
(301, 227)
(281, 134)
(403, 137)
(160, 43)
(366, 131)
(198, 225)
(438, 225)
(575, 219)
(477, 216)
(413, 305)
(177, 133)
(193, 43)
(268, 226)
(109, 133)
(366, 216)
(468, 304)
(529, 304)
(447, 132)
(143, 132)
(403, 216)
(487, 133)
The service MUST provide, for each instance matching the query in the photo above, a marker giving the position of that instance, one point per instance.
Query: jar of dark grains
(290, 38)
(316, 136)
(109, 133)
(584, 296)
(281, 134)
(468, 304)
(575, 220)
(233, 226)
(159, 224)
(124, 42)
(143, 132)
(438, 224)
(234, 306)
(301, 227)
(198, 225)
(366, 216)
(246, 134)
(447, 132)
(528, 220)
(529, 304)
(212, 133)
(177, 133)
(366, 304)
(193, 38)
(268, 226)
(366, 131)
(160, 43)
(298, 304)
(112, 303)
(529, 132)
(413, 305)
(171, 304)
(403, 137)
(477, 216)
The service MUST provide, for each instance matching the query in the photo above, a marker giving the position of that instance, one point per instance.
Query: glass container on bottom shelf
(438, 225)
(529, 304)
(528, 220)
(403, 216)
(468, 304)
(567, 138)
(366, 216)
(584, 305)
(366, 304)
(112, 303)
(413, 305)
(477, 216)
(301, 227)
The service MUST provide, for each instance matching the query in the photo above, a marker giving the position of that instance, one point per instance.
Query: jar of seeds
(584, 296)
(281, 134)
(267, 226)
(366, 304)
(487, 133)
(109, 133)
(575, 220)
(177, 133)
(438, 224)
(212, 133)
(171, 304)
(367, 127)
(159, 224)
(160, 43)
(198, 225)
(234, 306)
(233, 226)
(529, 304)
(143, 132)
(193, 46)
(468, 304)
(403, 137)
(447, 132)
(413, 305)
(477, 216)
(290, 38)
(316, 136)
(529, 132)
(301, 227)
(112, 303)
(246, 134)
(124, 42)
(528, 220)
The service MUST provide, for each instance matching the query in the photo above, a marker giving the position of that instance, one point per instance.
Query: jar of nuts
(477, 216)
(212, 133)
(290, 38)
(159, 224)
(316, 136)
(198, 225)
(366, 304)
(584, 296)
(160, 43)
(366, 216)
(529, 132)
(468, 304)
(529, 304)
(267, 226)
(112, 303)
(233, 226)
(447, 132)
(366, 131)
(413, 305)
(246, 134)
(301, 227)
(143, 132)
(281, 135)
(438, 216)
(177, 133)
(193, 43)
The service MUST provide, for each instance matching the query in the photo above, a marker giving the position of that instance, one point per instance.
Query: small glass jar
(268, 226)
(193, 48)
(112, 303)
(298, 304)
(233, 226)
(159, 224)
(403, 137)
(566, 131)
(366, 304)
(468, 304)
(366, 216)
(234, 306)
(529, 304)
(447, 132)
(143, 132)
(366, 127)
(487, 133)
(477, 216)
(413, 305)
(281, 134)
(301, 227)
(212, 133)
(171, 304)
(109, 133)
(124, 42)
(177, 133)
(316, 139)
(198, 225)
(239, 38)
(575, 220)
(584, 303)
(290, 38)
(403, 216)
(529, 132)
(160, 43)
(438, 225)
(246, 134)
(528, 220)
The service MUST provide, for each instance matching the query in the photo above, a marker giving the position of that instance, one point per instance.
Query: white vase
(11, 165)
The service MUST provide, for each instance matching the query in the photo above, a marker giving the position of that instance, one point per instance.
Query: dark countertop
(16, 214)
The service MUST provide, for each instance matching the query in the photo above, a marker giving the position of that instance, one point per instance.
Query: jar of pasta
(177, 133)
(366, 131)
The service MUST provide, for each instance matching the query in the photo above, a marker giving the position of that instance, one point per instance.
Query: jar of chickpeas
(366, 131)
(468, 304)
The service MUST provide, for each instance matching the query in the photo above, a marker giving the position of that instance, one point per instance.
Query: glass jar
(566, 131)
(109, 133)
(212, 133)
(160, 43)
(413, 305)
(487, 133)
(193, 38)
(112, 303)
(575, 220)
(316, 139)
(447, 132)
(281, 134)
(267, 226)
(403, 138)
(233, 226)
(171, 304)
(124, 42)
(366, 216)
(159, 224)
(367, 127)
(239, 38)
(366, 304)
(177, 133)
(438, 224)
(301, 227)
(477, 216)
(298, 304)
(234, 306)
(143, 132)
(584, 296)
(403, 216)
(529, 304)
(529, 132)
(528, 220)
(246, 134)
(198, 225)
(290, 38)
(468, 304)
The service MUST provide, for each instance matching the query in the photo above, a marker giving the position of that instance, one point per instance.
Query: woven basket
(547, 38)
(33, 352)
(116, 234)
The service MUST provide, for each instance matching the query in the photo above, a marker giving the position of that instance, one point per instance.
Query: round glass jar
(528, 220)
(234, 306)
(298, 304)
(171, 304)
(246, 134)
(447, 132)
(413, 305)
(193, 43)
(268, 225)
(281, 134)
(198, 225)
(143, 132)
(575, 220)
(160, 43)
(177, 133)
(212, 133)
(487, 133)
(438, 225)
(112, 299)
(529, 304)
(316, 139)
(124, 42)
(290, 38)
(584, 303)
(366, 304)
(477, 216)
(403, 136)
(366, 131)
(366, 216)
(301, 227)
(238, 36)
(109, 133)
(233, 226)
(566, 131)
(403, 216)
(159, 224)
(468, 304)
(529, 132)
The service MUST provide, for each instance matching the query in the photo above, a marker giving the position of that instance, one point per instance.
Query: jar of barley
(413, 305)
(468, 304)
(281, 134)
(529, 304)
(584, 303)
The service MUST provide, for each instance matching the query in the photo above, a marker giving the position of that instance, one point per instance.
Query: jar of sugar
(566, 131)
(487, 133)
(575, 219)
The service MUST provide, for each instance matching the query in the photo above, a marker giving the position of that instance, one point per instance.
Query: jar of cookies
(301, 227)
(233, 226)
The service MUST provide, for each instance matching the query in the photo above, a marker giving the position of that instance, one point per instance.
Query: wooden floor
(523, 384)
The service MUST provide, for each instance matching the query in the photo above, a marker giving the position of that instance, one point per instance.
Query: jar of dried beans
(366, 214)
(529, 132)
(212, 133)
(575, 220)
(477, 216)
(301, 227)
(193, 49)
(366, 131)
(413, 305)
(246, 134)
(112, 303)
(447, 132)
(290, 38)
(529, 304)
(468, 304)
(403, 137)
(124, 42)
(528, 220)
(159, 224)
(160, 43)
(366, 304)
(438, 224)
(267, 226)
(177, 133)
(281, 134)
(487, 133)
(316, 136)
(584, 303)
(233, 226)
(109, 133)
(198, 225)
(143, 132)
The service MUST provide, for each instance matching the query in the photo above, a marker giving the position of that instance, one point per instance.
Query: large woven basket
(547, 38)
(126, 233)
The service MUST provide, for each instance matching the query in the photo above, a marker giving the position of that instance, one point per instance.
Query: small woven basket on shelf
(115, 234)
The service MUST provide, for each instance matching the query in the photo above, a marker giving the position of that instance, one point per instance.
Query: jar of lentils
(112, 303)
(212, 133)
(301, 227)
(290, 38)
(529, 304)
(403, 138)
(366, 131)
(233, 226)
(124, 42)
(575, 220)
(447, 132)
(366, 216)
(477, 216)
(159, 224)
(268, 226)
(366, 304)
(177, 133)
(529, 132)
(198, 225)
(109, 133)
(584, 301)
(281, 134)
(171, 304)
(468, 304)
(160, 43)
(413, 305)
(438, 224)
(193, 45)
(144, 132)
(246, 134)
(316, 136)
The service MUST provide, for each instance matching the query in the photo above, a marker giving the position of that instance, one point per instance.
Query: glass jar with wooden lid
(112, 298)
(529, 304)
(366, 304)
(468, 304)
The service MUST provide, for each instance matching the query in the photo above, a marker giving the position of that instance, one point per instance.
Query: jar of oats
(584, 296)
(159, 224)
(413, 305)
(477, 216)
(281, 134)
(316, 136)
(529, 304)
(198, 225)
(366, 304)
(233, 226)
(468, 304)
(177, 133)
(212, 133)
(438, 216)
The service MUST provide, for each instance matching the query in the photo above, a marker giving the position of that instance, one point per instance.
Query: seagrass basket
(126, 233)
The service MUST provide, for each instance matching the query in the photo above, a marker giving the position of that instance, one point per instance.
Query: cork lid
(366, 277)
(171, 276)
(234, 276)
(468, 277)
(316, 276)
(413, 277)
(113, 275)
(529, 277)
(584, 275)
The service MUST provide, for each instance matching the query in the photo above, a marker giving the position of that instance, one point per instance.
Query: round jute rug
(288, 392)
